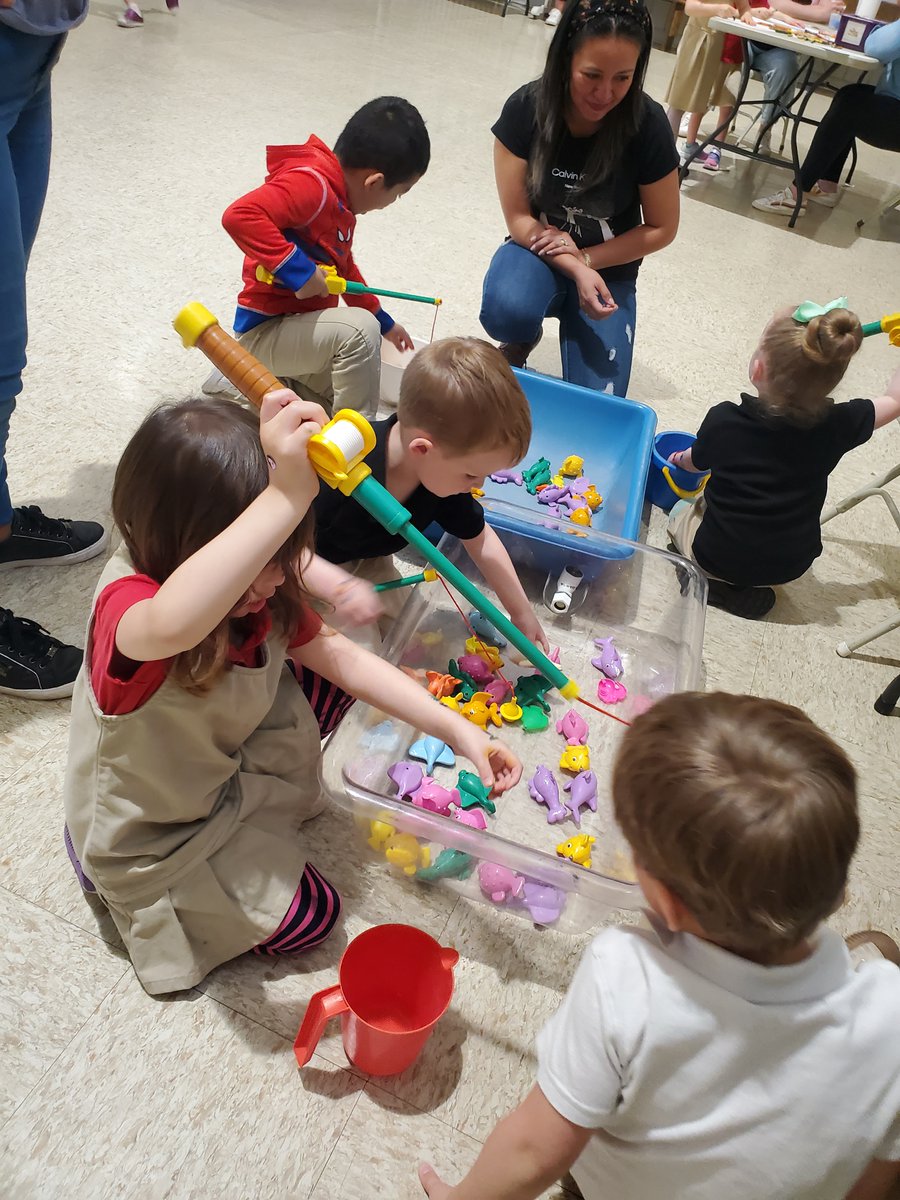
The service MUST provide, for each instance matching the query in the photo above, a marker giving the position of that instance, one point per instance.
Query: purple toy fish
(500, 883)
(573, 728)
(582, 790)
(471, 816)
(572, 502)
(435, 798)
(543, 788)
(608, 661)
(474, 665)
(497, 690)
(580, 485)
(507, 475)
(553, 495)
(544, 903)
(407, 776)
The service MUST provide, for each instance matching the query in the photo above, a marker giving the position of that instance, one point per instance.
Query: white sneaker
(131, 18)
(683, 127)
(538, 11)
(782, 202)
(553, 18)
(216, 384)
(826, 199)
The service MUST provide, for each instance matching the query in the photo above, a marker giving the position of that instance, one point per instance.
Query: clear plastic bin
(652, 602)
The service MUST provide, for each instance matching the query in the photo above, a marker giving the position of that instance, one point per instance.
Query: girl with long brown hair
(193, 750)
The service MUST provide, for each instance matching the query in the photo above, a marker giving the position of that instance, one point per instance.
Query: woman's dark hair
(581, 21)
(188, 472)
(386, 135)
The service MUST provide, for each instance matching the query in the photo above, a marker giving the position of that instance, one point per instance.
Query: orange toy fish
(441, 685)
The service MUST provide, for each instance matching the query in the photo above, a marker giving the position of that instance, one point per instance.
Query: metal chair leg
(889, 698)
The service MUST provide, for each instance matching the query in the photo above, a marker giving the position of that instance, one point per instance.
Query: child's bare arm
(705, 10)
(376, 682)
(819, 13)
(875, 1182)
(489, 554)
(202, 591)
(682, 458)
(527, 1152)
(887, 407)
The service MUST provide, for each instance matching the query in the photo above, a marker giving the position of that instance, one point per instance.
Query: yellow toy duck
(577, 849)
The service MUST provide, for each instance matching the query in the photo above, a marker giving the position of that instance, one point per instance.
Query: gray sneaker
(216, 384)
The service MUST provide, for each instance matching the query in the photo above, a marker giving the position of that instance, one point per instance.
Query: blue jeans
(778, 67)
(26, 61)
(521, 289)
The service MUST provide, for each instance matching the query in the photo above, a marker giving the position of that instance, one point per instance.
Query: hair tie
(809, 309)
(587, 10)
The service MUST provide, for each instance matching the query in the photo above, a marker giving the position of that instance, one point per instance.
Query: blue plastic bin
(612, 435)
(665, 483)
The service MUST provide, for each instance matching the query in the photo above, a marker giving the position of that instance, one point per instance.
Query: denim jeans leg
(778, 67)
(519, 290)
(598, 354)
(25, 133)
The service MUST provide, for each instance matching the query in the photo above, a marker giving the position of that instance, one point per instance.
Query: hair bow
(809, 309)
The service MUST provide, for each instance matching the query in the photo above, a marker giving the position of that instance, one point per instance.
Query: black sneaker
(36, 540)
(516, 353)
(33, 664)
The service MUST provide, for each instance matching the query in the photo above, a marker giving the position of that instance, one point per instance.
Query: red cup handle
(321, 1008)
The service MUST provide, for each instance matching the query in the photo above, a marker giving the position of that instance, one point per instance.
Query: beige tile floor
(104, 1092)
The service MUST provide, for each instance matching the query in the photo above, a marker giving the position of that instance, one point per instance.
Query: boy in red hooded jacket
(304, 215)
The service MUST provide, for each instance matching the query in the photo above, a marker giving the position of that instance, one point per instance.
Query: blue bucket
(665, 483)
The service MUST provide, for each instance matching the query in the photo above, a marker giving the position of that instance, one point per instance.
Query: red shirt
(121, 685)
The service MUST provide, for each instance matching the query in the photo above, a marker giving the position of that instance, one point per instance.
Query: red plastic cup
(395, 984)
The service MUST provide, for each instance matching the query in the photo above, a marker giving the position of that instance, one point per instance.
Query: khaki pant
(684, 521)
(332, 357)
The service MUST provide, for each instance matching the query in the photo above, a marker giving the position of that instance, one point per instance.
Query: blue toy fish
(432, 751)
(485, 629)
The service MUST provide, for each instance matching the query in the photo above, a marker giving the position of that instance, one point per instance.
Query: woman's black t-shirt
(613, 207)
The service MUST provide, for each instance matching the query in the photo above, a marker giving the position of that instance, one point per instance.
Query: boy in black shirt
(758, 521)
(462, 416)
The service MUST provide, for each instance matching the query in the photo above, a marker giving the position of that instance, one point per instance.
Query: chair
(877, 488)
(891, 204)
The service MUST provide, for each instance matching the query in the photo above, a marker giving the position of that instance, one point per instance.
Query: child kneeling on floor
(193, 750)
(757, 522)
(462, 416)
(731, 1051)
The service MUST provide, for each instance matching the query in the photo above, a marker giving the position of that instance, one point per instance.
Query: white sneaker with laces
(826, 199)
(553, 18)
(782, 202)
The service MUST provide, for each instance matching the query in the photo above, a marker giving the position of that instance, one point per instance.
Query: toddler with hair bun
(757, 522)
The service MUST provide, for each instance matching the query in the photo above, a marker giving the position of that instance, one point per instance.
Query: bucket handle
(680, 492)
(449, 957)
(321, 1008)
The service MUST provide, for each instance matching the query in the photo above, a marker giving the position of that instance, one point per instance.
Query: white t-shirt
(708, 1077)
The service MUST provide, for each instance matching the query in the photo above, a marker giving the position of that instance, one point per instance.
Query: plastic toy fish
(571, 502)
(434, 638)
(452, 702)
(404, 852)
(485, 629)
(592, 498)
(486, 651)
(475, 666)
(610, 691)
(608, 660)
(467, 686)
(432, 751)
(534, 719)
(441, 685)
(407, 776)
(557, 480)
(500, 884)
(537, 473)
(449, 864)
(381, 737)
(476, 492)
(507, 475)
(544, 903)
(543, 788)
(575, 758)
(553, 495)
(577, 849)
(582, 790)
(435, 798)
(472, 791)
(573, 465)
(554, 654)
(498, 690)
(581, 516)
(473, 817)
(530, 689)
(573, 727)
(481, 709)
(379, 832)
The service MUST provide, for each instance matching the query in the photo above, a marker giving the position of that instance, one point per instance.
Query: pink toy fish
(608, 661)
(474, 665)
(582, 790)
(435, 798)
(500, 883)
(407, 776)
(471, 816)
(573, 727)
(543, 788)
(497, 690)
(611, 691)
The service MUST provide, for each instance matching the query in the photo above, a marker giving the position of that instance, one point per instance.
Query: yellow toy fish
(490, 654)
(404, 852)
(575, 759)
(379, 832)
(451, 702)
(581, 516)
(578, 849)
(480, 709)
(557, 480)
(592, 498)
(573, 466)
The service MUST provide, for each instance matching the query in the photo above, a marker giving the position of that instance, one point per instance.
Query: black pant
(856, 112)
